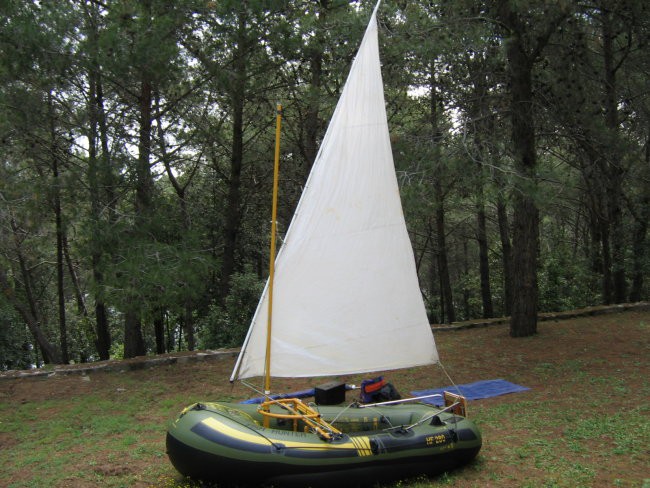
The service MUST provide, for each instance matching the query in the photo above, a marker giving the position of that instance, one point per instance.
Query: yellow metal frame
(297, 411)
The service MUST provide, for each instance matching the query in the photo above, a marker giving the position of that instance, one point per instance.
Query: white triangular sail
(346, 295)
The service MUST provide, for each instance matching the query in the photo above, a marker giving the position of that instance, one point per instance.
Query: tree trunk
(312, 121)
(233, 204)
(484, 263)
(482, 127)
(101, 316)
(81, 304)
(638, 250)
(98, 169)
(599, 250)
(615, 172)
(639, 253)
(103, 342)
(60, 265)
(133, 342)
(441, 293)
(466, 290)
(144, 183)
(170, 335)
(434, 284)
(523, 320)
(159, 332)
(447, 301)
(607, 264)
(49, 351)
(506, 254)
(443, 267)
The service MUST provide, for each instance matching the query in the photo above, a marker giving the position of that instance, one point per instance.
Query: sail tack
(346, 297)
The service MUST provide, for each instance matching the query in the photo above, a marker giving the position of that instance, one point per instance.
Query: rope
(449, 377)
(259, 392)
(382, 417)
(331, 422)
(429, 417)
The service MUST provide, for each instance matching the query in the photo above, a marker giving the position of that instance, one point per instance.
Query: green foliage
(72, 73)
(565, 281)
(117, 350)
(81, 338)
(226, 326)
(16, 348)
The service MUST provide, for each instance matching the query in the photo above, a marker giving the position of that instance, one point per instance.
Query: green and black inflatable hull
(226, 442)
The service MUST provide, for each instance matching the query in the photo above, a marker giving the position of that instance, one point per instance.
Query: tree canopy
(136, 147)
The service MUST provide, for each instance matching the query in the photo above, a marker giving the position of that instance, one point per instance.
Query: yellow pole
(274, 212)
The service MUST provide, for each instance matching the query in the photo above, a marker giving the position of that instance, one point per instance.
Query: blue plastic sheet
(472, 391)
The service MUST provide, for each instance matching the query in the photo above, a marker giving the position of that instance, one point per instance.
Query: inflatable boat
(227, 442)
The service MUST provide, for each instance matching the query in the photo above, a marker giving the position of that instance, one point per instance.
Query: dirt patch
(111, 470)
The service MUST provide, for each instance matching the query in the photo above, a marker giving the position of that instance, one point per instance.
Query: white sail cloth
(346, 296)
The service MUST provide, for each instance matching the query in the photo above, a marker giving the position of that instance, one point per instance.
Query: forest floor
(585, 422)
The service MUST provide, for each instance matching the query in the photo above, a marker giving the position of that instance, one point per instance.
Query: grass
(584, 423)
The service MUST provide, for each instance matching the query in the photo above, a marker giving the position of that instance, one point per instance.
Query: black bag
(378, 390)
(387, 393)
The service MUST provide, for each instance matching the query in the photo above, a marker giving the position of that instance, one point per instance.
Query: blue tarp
(472, 391)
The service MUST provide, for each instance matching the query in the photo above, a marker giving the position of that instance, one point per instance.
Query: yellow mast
(296, 408)
(274, 212)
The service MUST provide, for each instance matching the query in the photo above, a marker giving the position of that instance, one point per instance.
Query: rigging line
(382, 417)
(453, 384)
(331, 422)
(429, 417)
(449, 377)
(259, 392)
